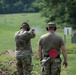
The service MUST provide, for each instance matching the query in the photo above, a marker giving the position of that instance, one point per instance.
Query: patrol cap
(51, 24)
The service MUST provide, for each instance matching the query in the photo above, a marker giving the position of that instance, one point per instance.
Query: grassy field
(10, 23)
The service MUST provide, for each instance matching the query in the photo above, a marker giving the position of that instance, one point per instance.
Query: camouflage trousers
(24, 66)
(52, 67)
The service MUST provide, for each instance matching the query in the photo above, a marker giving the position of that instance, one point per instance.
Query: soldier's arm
(32, 33)
(64, 55)
(16, 35)
(40, 52)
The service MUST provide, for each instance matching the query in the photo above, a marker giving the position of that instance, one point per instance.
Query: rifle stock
(44, 61)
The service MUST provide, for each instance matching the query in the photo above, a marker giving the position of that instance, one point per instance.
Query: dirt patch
(9, 53)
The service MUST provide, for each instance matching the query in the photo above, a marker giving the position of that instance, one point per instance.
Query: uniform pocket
(30, 68)
(57, 60)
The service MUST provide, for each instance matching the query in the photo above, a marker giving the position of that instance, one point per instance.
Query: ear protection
(25, 26)
(47, 28)
(28, 28)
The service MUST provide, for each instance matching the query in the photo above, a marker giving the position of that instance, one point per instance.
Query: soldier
(48, 42)
(24, 49)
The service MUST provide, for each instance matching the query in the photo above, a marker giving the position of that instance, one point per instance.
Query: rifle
(44, 61)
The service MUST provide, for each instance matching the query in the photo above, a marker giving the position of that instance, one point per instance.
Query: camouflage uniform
(24, 51)
(47, 42)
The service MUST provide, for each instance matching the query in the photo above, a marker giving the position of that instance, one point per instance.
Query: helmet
(51, 25)
(25, 25)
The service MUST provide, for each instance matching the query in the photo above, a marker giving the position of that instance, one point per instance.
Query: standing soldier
(51, 42)
(24, 49)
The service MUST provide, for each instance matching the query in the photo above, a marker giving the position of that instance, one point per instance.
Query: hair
(25, 25)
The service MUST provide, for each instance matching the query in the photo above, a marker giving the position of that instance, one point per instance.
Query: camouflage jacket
(23, 42)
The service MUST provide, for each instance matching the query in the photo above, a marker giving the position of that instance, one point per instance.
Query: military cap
(51, 24)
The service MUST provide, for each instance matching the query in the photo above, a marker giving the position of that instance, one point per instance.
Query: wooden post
(64, 38)
(4, 20)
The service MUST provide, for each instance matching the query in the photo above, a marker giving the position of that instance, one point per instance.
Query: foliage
(17, 6)
(6, 64)
(61, 11)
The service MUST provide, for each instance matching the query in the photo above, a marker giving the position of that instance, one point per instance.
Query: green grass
(13, 23)
(6, 63)
(71, 69)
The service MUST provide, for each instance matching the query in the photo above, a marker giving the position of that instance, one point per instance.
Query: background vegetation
(60, 11)
(10, 23)
(63, 12)
(14, 12)
(17, 6)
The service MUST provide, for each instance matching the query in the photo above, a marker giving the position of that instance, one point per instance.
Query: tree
(71, 5)
(60, 11)
(17, 6)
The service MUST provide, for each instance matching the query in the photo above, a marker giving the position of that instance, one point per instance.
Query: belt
(48, 56)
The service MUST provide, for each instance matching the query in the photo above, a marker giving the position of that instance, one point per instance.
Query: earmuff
(25, 26)
(47, 28)
(28, 28)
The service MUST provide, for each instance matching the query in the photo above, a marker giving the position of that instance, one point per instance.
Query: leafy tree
(61, 11)
(15, 6)
(18, 6)
(71, 5)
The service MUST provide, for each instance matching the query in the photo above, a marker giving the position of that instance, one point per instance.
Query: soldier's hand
(33, 29)
(40, 62)
(65, 64)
